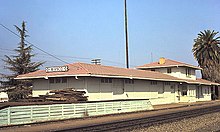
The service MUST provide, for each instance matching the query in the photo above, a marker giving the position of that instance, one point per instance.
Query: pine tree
(20, 63)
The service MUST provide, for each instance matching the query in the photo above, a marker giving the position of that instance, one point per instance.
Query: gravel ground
(204, 123)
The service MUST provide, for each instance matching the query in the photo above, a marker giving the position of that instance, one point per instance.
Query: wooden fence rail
(39, 113)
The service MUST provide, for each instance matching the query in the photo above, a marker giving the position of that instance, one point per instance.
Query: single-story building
(109, 83)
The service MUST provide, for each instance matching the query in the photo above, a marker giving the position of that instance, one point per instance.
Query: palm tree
(206, 51)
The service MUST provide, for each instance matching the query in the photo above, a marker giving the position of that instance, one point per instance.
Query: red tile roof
(168, 63)
(83, 69)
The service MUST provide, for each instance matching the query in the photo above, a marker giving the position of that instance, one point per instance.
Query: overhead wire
(54, 56)
(34, 45)
(78, 58)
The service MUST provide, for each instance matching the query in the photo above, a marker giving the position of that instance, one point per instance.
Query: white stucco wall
(118, 89)
(179, 72)
(40, 87)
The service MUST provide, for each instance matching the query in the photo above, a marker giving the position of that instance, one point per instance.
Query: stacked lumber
(67, 95)
(31, 99)
(62, 95)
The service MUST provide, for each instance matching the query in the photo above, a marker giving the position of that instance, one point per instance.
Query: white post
(9, 115)
(31, 114)
(62, 111)
(105, 107)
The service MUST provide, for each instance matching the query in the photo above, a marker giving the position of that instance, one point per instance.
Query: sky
(81, 30)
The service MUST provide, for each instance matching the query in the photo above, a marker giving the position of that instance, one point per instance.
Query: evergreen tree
(20, 63)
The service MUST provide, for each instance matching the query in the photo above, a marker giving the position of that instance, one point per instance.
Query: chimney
(162, 60)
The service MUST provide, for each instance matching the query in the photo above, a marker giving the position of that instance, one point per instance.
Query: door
(118, 86)
(197, 92)
(178, 93)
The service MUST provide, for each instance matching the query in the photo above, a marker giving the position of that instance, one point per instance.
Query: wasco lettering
(57, 69)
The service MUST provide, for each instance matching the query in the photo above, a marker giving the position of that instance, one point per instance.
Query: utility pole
(151, 56)
(126, 34)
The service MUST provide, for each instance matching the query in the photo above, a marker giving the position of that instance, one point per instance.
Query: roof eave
(150, 67)
(45, 77)
(114, 76)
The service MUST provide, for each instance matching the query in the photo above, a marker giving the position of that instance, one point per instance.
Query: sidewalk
(73, 123)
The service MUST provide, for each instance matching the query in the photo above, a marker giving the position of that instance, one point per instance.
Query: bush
(18, 93)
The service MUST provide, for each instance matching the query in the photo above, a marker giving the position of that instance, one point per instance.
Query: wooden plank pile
(62, 95)
(69, 95)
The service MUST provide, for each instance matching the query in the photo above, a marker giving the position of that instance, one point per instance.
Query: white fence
(39, 113)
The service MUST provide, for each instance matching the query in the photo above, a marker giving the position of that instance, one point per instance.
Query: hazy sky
(79, 30)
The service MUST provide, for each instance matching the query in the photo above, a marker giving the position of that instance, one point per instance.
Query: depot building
(162, 82)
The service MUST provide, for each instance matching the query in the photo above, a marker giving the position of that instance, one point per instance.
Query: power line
(79, 58)
(31, 44)
(54, 56)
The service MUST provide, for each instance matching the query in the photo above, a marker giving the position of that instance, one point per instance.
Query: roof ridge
(80, 63)
(180, 62)
(143, 71)
(168, 63)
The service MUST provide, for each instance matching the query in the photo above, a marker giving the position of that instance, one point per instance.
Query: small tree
(20, 64)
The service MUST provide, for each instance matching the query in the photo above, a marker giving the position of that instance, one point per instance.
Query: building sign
(57, 69)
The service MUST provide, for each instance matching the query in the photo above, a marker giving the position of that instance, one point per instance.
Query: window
(51, 80)
(173, 88)
(58, 80)
(166, 83)
(64, 80)
(184, 90)
(106, 80)
(169, 70)
(153, 82)
(129, 81)
(188, 72)
(206, 91)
